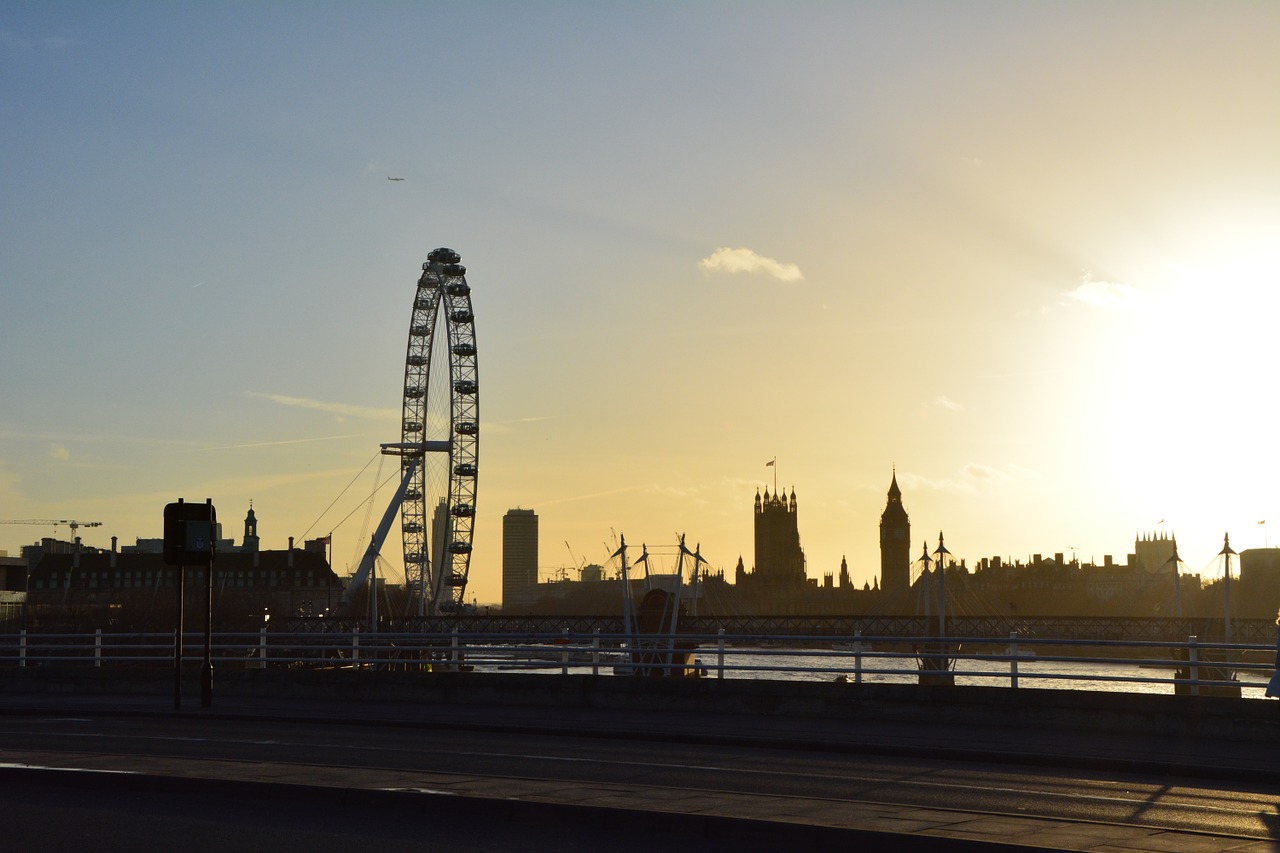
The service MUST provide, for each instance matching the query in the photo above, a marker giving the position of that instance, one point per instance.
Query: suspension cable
(303, 537)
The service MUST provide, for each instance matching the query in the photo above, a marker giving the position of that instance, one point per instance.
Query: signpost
(190, 534)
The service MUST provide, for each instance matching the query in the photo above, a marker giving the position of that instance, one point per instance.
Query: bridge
(1071, 628)
(358, 760)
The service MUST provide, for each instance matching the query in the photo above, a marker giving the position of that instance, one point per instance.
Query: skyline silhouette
(1024, 253)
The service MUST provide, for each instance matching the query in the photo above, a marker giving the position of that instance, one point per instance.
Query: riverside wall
(1209, 717)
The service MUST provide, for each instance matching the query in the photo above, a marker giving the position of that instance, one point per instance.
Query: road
(249, 779)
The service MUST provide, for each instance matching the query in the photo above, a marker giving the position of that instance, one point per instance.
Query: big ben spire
(895, 546)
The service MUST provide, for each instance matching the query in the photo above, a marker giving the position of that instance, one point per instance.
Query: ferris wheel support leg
(379, 535)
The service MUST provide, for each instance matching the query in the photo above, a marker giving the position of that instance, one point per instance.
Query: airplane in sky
(389, 178)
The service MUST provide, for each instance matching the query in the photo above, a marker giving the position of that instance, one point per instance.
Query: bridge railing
(1189, 666)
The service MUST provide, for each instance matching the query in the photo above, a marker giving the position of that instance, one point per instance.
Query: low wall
(1061, 710)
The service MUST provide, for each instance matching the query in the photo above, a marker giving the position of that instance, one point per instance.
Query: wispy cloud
(341, 409)
(1107, 295)
(282, 441)
(59, 452)
(915, 482)
(508, 426)
(972, 477)
(742, 260)
(594, 495)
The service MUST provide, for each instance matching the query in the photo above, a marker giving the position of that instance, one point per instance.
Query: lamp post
(941, 554)
(927, 595)
(1177, 581)
(206, 668)
(1226, 553)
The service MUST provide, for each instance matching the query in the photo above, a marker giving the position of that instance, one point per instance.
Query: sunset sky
(1027, 253)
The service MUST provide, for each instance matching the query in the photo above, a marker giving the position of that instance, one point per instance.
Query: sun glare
(1184, 366)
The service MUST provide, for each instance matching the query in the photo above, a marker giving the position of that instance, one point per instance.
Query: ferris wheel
(439, 437)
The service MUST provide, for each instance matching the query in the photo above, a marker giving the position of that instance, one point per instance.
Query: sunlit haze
(1026, 253)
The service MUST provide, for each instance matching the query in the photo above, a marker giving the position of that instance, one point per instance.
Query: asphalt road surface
(286, 785)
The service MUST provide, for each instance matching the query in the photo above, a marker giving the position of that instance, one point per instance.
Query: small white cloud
(947, 403)
(733, 261)
(1109, 295)
(372, 166)
(978, 471)
(59, 452)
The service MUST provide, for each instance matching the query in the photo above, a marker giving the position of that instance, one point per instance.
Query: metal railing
(1189, 667)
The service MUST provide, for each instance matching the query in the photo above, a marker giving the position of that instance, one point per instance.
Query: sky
(1024, 255)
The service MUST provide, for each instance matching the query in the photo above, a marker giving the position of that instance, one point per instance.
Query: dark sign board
(189, 531)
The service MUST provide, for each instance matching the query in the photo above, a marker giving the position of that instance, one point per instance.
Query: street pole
(940, 564)
(190, 538)
(177, 645)
(206, 671)
(1226, 553)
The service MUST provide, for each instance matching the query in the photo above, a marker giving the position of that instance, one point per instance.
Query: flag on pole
(769, 464)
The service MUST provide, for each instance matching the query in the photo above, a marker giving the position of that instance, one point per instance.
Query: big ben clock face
(898, 534)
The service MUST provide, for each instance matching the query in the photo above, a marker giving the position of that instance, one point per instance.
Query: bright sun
(1209, 369)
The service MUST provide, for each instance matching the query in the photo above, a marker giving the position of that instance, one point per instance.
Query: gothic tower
(1155, 551)
(895, 545)
(779, 557)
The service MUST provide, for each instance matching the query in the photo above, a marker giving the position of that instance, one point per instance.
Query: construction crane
(577, 564)
(42, 522)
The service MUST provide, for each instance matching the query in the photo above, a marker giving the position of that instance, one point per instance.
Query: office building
(519, 557)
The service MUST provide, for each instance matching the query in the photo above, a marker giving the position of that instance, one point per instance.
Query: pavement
(720, 815)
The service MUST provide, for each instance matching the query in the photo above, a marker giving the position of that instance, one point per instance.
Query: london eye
(439, 437)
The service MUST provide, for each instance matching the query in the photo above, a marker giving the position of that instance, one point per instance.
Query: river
(813, 664)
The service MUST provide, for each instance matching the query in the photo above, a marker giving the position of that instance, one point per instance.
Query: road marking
(15, 765)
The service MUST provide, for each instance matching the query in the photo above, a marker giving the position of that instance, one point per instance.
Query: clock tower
(895, 545)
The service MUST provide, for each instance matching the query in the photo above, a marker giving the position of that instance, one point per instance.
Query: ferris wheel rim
(441, 565)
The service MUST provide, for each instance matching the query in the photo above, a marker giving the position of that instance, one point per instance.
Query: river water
(827, 665)
(1115, 676)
